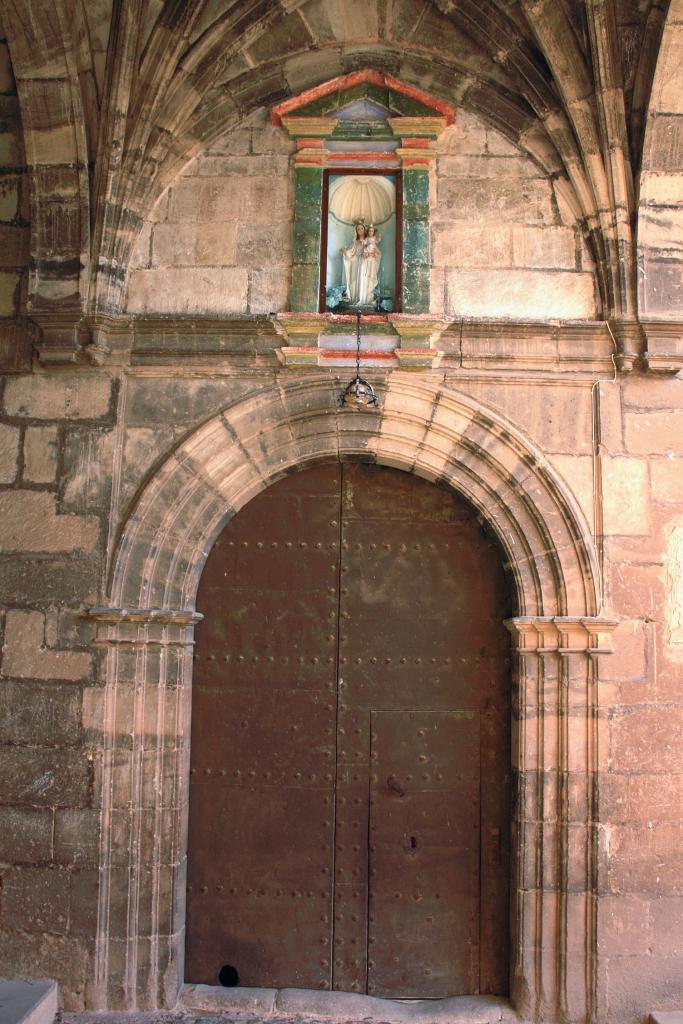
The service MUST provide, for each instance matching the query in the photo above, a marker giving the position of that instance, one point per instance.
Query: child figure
(371, 245)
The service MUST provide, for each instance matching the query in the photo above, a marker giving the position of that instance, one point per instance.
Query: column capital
(167, 626)
(562, 634)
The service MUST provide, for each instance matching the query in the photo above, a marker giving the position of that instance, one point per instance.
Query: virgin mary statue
(361, 265)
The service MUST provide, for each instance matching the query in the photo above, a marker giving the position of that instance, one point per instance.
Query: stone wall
(56, 460)
(77, 448)
(503, 243)
(14, 213)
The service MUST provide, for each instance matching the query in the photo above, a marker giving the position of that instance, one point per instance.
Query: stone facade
(146, 397)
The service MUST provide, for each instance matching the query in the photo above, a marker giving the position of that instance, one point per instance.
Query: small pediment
(361, 97)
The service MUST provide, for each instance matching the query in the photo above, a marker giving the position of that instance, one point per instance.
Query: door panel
(350, 741)
(424, 854)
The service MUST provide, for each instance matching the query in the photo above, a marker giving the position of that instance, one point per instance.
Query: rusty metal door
(349, 798)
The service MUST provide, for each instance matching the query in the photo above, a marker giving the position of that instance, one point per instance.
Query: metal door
(349, 795)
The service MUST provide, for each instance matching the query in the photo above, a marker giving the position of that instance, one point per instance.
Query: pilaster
(146, 744)
(556, 760)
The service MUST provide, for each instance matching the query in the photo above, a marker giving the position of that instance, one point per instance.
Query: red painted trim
(379, 157)
(344, 353)
(343, 82)
(310, 143)
(416, 143)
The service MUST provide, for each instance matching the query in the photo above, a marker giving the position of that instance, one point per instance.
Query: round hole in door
(228, 976)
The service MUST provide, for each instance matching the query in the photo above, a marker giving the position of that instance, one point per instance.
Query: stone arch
(423, 427)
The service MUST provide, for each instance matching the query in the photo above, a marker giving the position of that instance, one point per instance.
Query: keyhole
(413, 843)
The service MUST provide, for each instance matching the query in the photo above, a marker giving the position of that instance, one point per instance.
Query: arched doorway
(350, 765)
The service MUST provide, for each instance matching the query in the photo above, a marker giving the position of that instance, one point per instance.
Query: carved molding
(558, 634)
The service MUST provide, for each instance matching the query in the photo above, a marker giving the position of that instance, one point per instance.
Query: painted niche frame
(363, 125)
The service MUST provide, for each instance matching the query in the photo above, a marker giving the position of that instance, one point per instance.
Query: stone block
(64, 958)
(9, 452)
(648, 737)
(40, 454)
(642, 393)
(76, 836)
(521, 293)
(666, 915)
(165, 401)
(35, 900)
(488, 165)
(628, 798)
(623, 926)
(31, 523)
(577, 471)
(25, 835)
(188, 245)
(667, 480)
(646, 859)
(558, 418)
(529, 201)
(58, 397)
(6, 77)
(9, 292)
(467, 136)
(626, 496)
(13, 245)
(200, 290)
(629, 662)
(42, 581)
(461, 244)
(637, 589)
(45, 778)
(87, 470)
(654, 433)
(9, 198)
(547, 247)
(638, 982)
(268, 290)
(24, 1001)
(41, 713)
(25, 655)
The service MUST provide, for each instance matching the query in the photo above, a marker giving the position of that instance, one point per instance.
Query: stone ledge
(666, 1017)
(347, 1006)
(27, 1001)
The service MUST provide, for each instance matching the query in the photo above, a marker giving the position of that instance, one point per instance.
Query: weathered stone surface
(43, 713)
(31, 523)
(529, 201)
(654, 433)
(36, 898)
(25, 835)
(56, 397)
(76, 836)
(193, 290)
(86, 476)
(25, 655)
(520, 293)
(9, 451)
(36, 777)
(40, 454)
(626, 496)
(41, 581)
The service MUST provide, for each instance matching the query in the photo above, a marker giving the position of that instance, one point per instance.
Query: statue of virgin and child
(361, 265)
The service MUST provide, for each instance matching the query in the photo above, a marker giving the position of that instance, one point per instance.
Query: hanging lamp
(358, 392)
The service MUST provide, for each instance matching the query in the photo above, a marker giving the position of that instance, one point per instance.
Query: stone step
(27, 1001)
(346, 1006)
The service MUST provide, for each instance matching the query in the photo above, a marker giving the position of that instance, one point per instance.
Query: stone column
(556, 755)
(145, 777)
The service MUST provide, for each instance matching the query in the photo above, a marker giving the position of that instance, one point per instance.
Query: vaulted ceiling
(118, 95)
